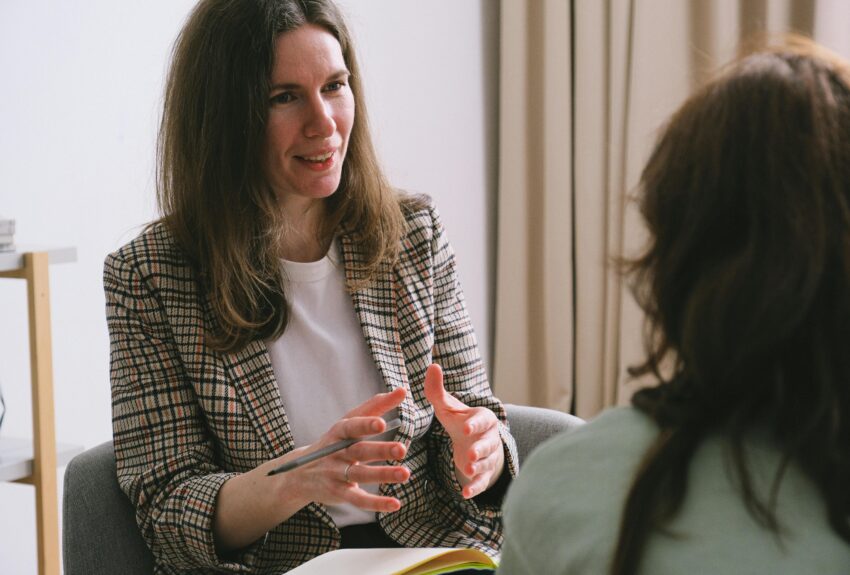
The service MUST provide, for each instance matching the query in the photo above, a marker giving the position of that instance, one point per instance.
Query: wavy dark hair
(212, 193)
(746, 286)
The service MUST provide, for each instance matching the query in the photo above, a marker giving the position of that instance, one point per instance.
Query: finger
(436, 393)
(365, 500)
(378, 474)
(480, 420)
(379, 404)
(355, 427)
(368, 451)
(470, 467)
(486, 465)
(484, 447)
(476, 486)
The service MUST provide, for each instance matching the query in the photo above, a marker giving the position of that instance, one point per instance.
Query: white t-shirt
(322, 363)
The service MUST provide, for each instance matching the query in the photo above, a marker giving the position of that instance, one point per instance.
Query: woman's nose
(320, 122)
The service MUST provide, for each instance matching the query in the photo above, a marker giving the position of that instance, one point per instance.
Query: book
(7, 235)
(400, 561)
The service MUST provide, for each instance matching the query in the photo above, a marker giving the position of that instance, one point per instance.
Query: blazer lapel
(251, 374)
(377, 309)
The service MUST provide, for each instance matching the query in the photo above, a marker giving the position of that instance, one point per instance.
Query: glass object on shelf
(7, 234)
(2, 407)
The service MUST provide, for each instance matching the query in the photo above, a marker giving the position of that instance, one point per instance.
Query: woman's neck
(301, 241)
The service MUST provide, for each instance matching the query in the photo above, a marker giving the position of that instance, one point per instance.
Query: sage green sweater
(562, 513)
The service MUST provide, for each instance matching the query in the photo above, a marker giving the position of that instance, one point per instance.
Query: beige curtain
(585, 86)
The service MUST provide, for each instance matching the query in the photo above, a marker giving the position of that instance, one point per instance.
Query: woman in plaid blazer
(262, 158)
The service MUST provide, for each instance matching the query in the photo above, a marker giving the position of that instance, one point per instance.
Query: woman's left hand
(479, 455)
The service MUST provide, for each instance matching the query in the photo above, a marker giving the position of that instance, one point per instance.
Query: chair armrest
(99, 531)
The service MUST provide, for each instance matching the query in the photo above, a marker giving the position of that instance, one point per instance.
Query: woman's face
(311, 111)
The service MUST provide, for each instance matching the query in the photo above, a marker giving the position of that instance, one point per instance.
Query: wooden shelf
(16, 460)
(34, 461)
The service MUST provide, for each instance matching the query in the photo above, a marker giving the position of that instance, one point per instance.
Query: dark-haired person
(289, 298)
(738, 460)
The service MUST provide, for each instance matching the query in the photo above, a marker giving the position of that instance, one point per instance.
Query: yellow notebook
(402, 561)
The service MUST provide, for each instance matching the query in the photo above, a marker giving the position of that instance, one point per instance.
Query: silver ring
(347, 470)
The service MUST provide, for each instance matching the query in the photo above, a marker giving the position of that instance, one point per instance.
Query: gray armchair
(99, 529)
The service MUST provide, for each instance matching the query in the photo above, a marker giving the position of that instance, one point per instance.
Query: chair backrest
(530, 426)
(99, 531)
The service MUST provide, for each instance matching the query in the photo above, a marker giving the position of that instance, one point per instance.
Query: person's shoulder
(422, 228)
(419, 211)
(617, 424)
(615, 430)
(424, 232)
(415, 204)
(594, 461)
(572, 487)
(153, 249)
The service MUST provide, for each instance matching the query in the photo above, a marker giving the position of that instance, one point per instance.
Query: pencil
(328, 449)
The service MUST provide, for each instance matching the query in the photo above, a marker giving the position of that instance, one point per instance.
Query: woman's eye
(334, 86)
(282, 98)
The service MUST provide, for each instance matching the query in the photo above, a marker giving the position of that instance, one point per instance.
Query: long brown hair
(212, 194)
(746, 286)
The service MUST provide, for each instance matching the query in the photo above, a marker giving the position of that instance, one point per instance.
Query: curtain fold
(533, 291)
(585, 87)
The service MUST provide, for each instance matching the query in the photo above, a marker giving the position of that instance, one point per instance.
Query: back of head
(746, 281)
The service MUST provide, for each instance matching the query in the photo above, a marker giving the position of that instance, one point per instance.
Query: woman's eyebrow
(342, 73)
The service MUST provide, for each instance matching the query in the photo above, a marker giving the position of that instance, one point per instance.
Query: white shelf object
(16, 457)
(15, 260)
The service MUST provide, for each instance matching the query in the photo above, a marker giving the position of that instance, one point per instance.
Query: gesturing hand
(336, 478)
(479, 456)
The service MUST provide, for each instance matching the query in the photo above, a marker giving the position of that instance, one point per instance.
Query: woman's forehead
(308, 53)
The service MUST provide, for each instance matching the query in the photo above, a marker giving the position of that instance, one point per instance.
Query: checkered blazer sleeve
(456, 350)
(163, 450)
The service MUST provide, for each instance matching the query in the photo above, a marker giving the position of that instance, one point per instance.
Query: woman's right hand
(252, 503)
(336, 478)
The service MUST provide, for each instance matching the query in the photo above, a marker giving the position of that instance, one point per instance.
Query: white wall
(80, 91)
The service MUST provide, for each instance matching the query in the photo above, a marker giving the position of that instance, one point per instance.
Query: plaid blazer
(187, 418)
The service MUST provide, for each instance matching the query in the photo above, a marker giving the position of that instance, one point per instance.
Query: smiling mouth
(319, 162)
(318, 159)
